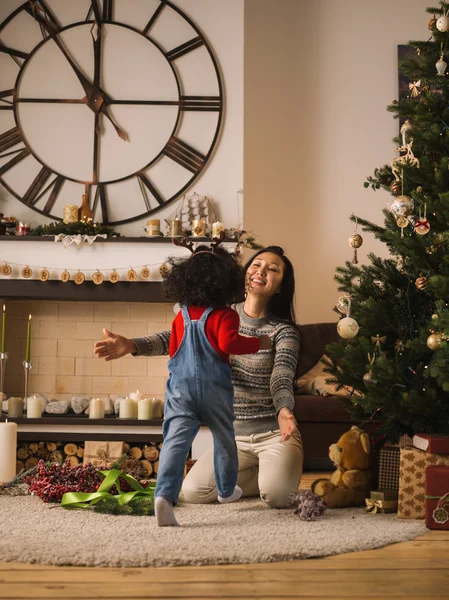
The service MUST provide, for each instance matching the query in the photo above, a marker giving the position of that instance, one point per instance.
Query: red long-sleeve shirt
(222, 331)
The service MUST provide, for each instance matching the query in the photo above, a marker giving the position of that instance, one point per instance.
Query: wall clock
(122, 96)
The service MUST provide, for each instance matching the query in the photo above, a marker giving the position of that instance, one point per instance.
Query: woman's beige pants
(267, 468)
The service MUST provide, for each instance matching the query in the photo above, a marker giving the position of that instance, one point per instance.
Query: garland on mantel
(79, 228)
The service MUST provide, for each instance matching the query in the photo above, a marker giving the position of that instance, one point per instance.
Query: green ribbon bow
(87, 499)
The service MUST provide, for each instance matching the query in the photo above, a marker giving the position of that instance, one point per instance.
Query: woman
(269, 445)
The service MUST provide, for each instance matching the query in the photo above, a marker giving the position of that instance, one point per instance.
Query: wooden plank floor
(418, 569)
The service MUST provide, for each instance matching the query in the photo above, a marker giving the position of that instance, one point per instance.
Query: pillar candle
(27, 353)
(158, 408)
(8, 449)
(145, 408)
(127, 409)
(96, 408)
(34, 407)
(135, 395)
(15, 407)
(4, 329)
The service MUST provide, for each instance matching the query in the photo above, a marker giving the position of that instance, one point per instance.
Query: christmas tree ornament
(27, 272)
(114, 276)
(65, 276)
(378, 340)
(432, 23)
(97, 277)
(402, 223)
(422, 282)
(402, 206)
(342, 304)
(422, 225)
(434, 316)
(405, 131)
(79, 278)
(131, 275)
(442, 23)
(441, 66)
(368, 378)
(434, 341)
(414, 86)
(44, 275)
(6, 270)
(347, 328)
(355, 241)
(395, 187)
(145, 272)
(399, 346)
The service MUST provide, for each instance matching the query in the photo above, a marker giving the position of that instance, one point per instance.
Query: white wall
(318, 77)
(222, 24)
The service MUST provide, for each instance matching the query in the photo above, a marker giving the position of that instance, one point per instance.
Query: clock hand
(104, 111)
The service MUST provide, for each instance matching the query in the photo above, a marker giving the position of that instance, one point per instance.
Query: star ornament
(413, 87)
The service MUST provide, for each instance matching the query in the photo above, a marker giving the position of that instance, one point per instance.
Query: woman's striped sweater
(263, 382)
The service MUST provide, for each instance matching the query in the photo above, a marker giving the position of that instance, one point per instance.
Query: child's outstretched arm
(231, 342)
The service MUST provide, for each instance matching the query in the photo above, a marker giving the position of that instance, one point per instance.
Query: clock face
(119, 97)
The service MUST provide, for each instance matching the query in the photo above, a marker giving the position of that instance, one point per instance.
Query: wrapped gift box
(389, 461)
(102, 454)
(437, 497)
(414, 463)
(382, 501)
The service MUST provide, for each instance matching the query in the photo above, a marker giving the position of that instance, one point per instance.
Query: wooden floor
(418, 569)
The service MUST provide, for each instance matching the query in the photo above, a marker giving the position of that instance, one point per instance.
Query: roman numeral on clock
(184, 155)
(14, 54)
(184, 48)
(105, 14)
(199, 103)
(144, 181)
(10, 138)
(5, 103)
(153, 19)
(100, 195)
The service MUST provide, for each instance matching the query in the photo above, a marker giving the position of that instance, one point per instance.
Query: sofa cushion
(314, 339)
(320, 409)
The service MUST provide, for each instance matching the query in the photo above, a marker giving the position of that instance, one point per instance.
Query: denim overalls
(199, 391)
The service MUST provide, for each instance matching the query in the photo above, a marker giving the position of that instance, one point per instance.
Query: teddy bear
(350, 483)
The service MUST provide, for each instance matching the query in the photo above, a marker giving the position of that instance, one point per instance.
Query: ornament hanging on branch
(368, 378)
(441, 66)
(442, 23)
(355, 241)
(405, 130)
(395, 187)
(399, 346)
(434, 341)
(342, 304)
(422, 225)
(432, 23)
(402, 208)
(422, 282)
(414, 86)
(347, 328)
(377, 341)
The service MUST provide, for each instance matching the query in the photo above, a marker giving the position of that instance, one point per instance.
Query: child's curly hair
(204, 279)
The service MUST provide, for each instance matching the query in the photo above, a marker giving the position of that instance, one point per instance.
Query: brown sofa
(321, 419)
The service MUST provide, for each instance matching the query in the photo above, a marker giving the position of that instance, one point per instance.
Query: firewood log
(19, 466)
(51, 446)
(73, 461)
(33, 447)
(126, 447)
(43, 453)
(159, 446)
(56, 456)
(80, 452)
(23, 453)
(156, 466)
(31, 462)
(151, 453)
(135, 452)
(147, 467)
(70, 449)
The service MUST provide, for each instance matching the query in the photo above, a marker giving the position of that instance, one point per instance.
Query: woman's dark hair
(281, 304)
(204, 279)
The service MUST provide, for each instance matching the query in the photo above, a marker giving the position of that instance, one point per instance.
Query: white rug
(243, 532)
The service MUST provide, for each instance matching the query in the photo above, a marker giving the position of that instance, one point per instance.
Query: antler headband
(189, 245)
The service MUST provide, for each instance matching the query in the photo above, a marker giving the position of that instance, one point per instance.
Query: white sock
(233, 497)
(165, 515)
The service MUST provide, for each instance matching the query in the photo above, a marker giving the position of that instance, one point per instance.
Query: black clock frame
(175, 149)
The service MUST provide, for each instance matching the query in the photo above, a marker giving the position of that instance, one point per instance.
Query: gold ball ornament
(44, 275)
(342, 304)
(422, 282)
(369, 379)
(395, 187)
(402, 206)
(347, 328)
(434, 341)
(355, 241)
(6, 270)
(27, 272)
(65, 276)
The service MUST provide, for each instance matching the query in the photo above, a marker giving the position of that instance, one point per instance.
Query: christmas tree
(395, 362)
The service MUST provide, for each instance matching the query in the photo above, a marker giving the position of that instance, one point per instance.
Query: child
(199, 388)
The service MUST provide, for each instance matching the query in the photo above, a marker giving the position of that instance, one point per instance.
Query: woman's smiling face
(265, 274)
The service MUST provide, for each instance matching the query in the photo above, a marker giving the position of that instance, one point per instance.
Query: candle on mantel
(136, 395)
(127, 409)
(158, 408)
(34, 407)
(15, 407)
(145, 408)
(96, 408)
(8, 449)
(4, 329)
(27, 352)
